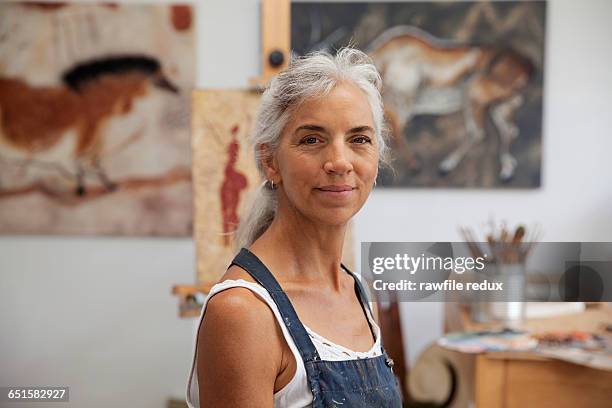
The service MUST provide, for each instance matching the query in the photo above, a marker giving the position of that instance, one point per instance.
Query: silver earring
(273, 185)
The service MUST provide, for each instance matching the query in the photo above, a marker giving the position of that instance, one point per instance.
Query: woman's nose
(338, 160)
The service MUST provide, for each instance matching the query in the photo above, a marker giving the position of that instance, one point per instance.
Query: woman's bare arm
(239, 353)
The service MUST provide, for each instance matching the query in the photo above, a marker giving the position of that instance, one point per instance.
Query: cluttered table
(557, 361)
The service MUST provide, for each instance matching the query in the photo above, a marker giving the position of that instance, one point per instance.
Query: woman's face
(327, 160)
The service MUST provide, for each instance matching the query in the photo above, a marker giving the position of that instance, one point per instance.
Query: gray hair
(315, 74)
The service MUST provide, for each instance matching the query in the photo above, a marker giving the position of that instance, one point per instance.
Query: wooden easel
(275, 39)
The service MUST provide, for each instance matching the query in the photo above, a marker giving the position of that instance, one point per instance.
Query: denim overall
(367, 382)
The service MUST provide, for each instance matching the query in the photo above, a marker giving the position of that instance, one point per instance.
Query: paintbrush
(533, 237)
(470, 241)
(516, 244)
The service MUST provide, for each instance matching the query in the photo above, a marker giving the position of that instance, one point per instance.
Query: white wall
(96, 313)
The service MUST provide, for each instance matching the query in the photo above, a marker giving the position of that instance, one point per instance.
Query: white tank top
(297, 392)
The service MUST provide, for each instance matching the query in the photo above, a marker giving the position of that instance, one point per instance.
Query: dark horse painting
(462, 84)
(424, 75)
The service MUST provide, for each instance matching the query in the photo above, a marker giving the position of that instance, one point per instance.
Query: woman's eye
(362, 140)
(309, 140)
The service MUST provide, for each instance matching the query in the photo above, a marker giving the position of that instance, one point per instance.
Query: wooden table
(527, 380)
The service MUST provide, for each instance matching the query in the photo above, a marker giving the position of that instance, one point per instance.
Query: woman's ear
(268, 162)
(376, 176)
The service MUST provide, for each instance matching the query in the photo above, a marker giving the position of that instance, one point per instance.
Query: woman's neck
(303, 250)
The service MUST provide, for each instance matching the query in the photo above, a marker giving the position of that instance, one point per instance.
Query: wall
(96, 313)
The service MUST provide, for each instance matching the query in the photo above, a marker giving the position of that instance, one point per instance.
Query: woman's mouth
(336, 191)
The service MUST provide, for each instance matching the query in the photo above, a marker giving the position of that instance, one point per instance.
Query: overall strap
(364, 303)
(363, 298)
(254, 267)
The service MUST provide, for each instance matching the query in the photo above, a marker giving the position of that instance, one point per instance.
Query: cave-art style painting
(224, 173)
(94, 108)
(462, 84)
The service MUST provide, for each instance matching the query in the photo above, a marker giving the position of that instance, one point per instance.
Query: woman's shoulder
(237, 308)
(238, 296)
(237, 301)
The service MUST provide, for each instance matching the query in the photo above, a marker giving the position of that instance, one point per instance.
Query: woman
(288, 325)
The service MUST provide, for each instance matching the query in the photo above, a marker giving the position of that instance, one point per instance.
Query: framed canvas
(462, 84)
(94, 135)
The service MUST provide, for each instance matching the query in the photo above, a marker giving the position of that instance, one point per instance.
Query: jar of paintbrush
(506, 252)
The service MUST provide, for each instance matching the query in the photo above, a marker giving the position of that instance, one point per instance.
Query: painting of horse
(462, 84)
(94, 119)
(36, 119)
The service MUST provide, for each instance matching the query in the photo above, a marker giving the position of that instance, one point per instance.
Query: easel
(275, 39)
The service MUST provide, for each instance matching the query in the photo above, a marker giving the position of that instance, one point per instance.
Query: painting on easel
(224, 173)
(462, 84)
(94, 135)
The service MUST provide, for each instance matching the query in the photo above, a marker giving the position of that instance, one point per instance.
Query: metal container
(509, 306)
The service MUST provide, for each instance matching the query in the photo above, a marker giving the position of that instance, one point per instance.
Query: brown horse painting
(35, 120)
(426, 75)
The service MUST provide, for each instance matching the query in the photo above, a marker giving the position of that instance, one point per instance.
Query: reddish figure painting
(233, 183)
